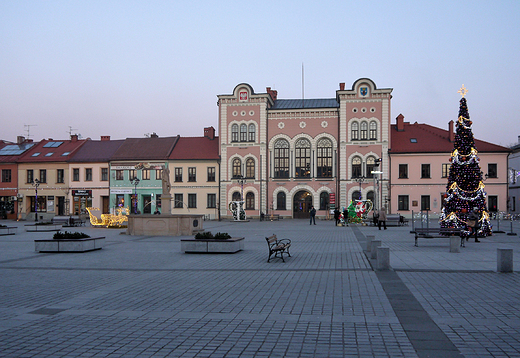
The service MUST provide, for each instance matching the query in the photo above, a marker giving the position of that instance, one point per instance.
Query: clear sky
(128, 68)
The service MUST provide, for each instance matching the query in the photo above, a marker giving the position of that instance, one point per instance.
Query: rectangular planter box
(229, 246)
(77, 245)
(42, 228)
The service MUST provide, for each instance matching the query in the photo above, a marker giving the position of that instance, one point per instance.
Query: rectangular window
(6, 175)
(119, 174)
(492, 170)
(43, 176)
(75, 174)
(158, 200)
(425, 171)
(146, 174)
(132, 174)
(192, 174)
(60, 176)
(30, 175)
(212, 200)
(88, 174)
(445, 170)
(425, 202)
(178, 174)
(402, 202)
(403, 171)
(104, 174)
(211, 173)
(493, 203)
(158, 174)
(179, 201)
(192, 200)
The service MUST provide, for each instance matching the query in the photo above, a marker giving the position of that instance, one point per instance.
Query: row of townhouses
(280, 156)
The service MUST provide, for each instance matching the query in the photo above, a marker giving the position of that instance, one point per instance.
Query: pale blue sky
(126, 68)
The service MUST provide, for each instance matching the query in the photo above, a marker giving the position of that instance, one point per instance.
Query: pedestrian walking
(345, 216)
(382, 218)
(313, 215)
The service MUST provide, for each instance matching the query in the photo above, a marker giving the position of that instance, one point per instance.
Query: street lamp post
(376, 187)
(36, 184)
(135, 181)
(359, 180)
(241, 181)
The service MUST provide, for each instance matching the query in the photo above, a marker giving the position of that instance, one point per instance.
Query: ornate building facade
(282, 156)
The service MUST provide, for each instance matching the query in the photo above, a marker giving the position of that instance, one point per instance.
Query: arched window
(236, 196)
(324, 157)
(324, 200)
(370, 196)
(356, 195)
(280, 201)
(234, 133)
(251, 133)
(250, 168)
(243, 133)
(355, 131)
(237, 168)
(356, 167)
(302, 154)
(373, 130)
(250, 201)
(364, 131)
(371, 162)
(281, 159)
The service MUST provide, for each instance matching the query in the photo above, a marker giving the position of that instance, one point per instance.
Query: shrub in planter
(44, 223)
(69, 235)
(222, 236)
(204, 235)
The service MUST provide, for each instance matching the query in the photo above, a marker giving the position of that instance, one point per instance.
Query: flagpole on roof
(303, 91)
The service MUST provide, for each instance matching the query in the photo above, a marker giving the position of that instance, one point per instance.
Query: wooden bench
(6, 230)
(274, 217)
(278, 246)
(430, 233)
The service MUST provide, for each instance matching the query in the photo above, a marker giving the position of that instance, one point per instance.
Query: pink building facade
(282, 156)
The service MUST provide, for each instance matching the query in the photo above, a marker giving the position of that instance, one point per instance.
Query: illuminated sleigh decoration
(108, 220)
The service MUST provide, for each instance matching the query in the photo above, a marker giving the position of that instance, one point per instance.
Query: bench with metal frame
(278, 246)
(438, 232)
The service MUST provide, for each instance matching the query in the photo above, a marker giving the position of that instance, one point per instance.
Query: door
(105, 204)
(61, 205)
(147, 204)
(302, 203)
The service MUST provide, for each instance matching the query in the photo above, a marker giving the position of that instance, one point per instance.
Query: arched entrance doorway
(302, 204)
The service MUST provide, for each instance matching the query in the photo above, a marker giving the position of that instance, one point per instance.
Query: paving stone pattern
(141, 297)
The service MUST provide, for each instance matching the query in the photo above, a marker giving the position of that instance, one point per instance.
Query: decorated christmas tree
(465, 189)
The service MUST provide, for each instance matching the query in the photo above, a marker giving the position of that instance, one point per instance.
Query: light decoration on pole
(465, 188)
(36, 184)
(135, 181)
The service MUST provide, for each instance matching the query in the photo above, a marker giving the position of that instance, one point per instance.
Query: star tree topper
(463, 90)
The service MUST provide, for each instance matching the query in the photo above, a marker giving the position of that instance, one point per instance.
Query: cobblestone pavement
(141, 297)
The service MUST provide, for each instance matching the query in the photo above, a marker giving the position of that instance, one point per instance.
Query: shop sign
(121, 191)
(82, 193)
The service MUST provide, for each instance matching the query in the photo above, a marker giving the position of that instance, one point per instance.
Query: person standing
(345, 216)
(382, 218)
(473, 219)
(313, 215)
(336, 216)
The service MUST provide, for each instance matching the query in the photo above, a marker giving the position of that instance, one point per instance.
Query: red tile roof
(196, 148)
(52, 151)
(97, 151)
(152, 148)
(430, 139)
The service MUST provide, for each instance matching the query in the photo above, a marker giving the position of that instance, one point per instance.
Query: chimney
(21, 139)
(74, 137)
(342, 86)
(452, 133)
(209, 132)
(272, 93)
(105, 137)
(400, 123)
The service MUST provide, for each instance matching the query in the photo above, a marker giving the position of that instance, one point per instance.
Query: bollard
(375, 245)
(369, 242)
(454, 244)
(505, 260)
(383, 258)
